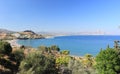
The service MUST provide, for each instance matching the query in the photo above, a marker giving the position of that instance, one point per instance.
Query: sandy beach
(14, 43)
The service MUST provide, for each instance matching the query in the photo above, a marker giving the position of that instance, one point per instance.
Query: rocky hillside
(27, 34)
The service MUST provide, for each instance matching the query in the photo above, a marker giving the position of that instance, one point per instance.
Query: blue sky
(61, 15)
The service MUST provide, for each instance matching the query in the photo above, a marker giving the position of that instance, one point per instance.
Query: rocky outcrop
(27, 34)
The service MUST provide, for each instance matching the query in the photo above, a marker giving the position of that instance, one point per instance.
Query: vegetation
(88, 61)
(37, 63)
(45, 60)
(43, 49)
(50, 60)
(65, 52)
(9, 62)
(62, 60)
(55, 48)
(77, 67)
(50, 49)
(108, 61)
(5, 48)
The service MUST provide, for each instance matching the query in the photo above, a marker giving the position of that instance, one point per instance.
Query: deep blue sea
(77, 45)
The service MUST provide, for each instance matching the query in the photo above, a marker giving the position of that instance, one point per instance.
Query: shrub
(36, 63)
(65, 52)
(108, 61)
(5, 47)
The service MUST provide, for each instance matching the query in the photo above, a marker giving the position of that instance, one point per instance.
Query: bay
(78, 45)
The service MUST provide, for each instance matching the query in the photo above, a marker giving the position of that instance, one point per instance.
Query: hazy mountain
(73, 33)
(6, 31)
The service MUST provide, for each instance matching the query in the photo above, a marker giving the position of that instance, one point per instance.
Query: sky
(61, 15)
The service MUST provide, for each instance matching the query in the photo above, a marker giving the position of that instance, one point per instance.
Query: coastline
(47, 37)
(75, 44)
(14, 43)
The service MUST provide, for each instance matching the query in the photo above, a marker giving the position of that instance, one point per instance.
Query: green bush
(55, 48)
(65, 52)
(36, 63)
(19, 55)
(108, 61)
(89, 60)
(43, 49)
(62, 60)
(77, 67)
(51, 49)
(5, 47)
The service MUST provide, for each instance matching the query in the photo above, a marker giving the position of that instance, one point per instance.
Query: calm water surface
(77, 45)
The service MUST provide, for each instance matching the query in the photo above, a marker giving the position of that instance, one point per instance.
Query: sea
(78, 45)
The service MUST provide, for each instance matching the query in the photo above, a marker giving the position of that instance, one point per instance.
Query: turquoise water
(77, 45)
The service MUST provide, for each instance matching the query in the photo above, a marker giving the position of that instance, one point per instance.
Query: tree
(36, 63)
(108, 61)
(5, 47)
(7, 60)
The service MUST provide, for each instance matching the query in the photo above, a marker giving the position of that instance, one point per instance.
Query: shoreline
(47, 37)
(13, 43)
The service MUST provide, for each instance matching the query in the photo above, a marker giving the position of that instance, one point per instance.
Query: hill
(27, 34)
(6, 31)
